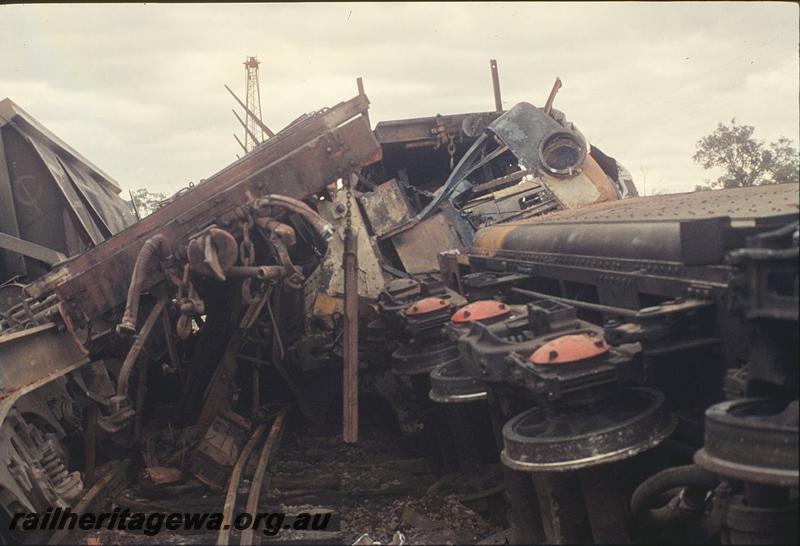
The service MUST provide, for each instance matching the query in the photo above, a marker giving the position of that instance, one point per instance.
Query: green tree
(146, 202)
(746, 161)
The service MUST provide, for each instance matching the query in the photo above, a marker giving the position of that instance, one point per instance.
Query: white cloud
(139, 88)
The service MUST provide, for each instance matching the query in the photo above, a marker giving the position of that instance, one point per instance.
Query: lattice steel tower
(253, 133)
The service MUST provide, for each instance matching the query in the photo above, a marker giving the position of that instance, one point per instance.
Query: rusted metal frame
(136, 348)
(96, 288)
(498, 101)
(347, 143)
(30, 358)
(350, 357)
(251, 114)
(223, 538)
(249, 132)
(267, 454)
(32, 250)
(108, 480)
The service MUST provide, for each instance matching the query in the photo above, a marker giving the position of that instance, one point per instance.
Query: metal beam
(31, 250)
(251, 114)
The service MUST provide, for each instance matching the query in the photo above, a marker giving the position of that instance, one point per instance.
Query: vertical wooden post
(498, 101)
(350, 368)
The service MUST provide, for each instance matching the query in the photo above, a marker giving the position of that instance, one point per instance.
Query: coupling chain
(348, 215)
(247, 251)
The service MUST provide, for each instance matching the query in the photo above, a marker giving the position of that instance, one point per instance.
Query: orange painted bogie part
(480, 310)
(426, 305)
(570, 348)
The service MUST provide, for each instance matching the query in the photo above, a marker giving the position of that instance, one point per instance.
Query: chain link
(348, 215)
(247, 251)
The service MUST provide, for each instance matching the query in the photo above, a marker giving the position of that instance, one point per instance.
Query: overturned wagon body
(638, 361)
(54, 203)
(183, 285)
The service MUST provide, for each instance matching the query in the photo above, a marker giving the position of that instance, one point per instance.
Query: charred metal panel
(539, 142)
(331, 274)
(33, 357)
(387, 207)
(50, 195)
(420, 246)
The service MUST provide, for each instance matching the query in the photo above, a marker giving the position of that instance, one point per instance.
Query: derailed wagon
(529, 312)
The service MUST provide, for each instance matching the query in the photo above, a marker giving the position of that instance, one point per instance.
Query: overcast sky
(138, 89)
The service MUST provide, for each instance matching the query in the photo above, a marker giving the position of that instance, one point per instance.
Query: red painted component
(570, 348)
(426, 305)
(480, 310)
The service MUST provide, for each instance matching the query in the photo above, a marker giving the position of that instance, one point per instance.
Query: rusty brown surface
(295, 163)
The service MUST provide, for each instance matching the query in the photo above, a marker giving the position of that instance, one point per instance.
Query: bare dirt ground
(383, 485)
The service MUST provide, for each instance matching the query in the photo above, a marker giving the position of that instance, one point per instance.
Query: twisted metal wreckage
(632, 361)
